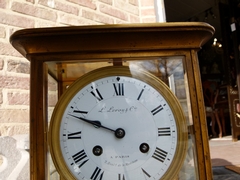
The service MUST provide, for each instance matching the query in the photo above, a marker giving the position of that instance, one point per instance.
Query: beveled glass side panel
(171, 71)
(52, 100)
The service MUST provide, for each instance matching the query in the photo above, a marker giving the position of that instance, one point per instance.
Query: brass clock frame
(47, 48)
(156, 83)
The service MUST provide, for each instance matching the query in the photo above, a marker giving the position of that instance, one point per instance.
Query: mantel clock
(130, 101)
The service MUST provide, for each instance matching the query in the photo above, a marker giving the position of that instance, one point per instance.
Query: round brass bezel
(161, 87)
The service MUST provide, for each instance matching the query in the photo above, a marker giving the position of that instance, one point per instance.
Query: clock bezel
(156, 83)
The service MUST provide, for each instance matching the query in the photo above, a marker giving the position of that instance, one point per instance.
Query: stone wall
(19, 14)
(14, 69)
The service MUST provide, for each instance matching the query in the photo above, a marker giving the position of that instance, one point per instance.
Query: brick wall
(19, 14)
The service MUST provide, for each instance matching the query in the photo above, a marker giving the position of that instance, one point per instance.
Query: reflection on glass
(189, 169)
(171, 71)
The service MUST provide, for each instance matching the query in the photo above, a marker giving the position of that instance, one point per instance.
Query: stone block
(65, 7)
(86, 3)
(110, 2)
(14, 157)
(2, 32)
(1, 64)
(18, 98)
(73, 20)
(8, 129)
(1, 97)
(97, 17)
(14, 82)
(34, 11)
(7, 49)
(14, 116)
(16, 20)
(3, 3)
(113, 12)
(18, 66)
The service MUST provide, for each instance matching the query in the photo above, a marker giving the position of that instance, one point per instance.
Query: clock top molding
(115, 41)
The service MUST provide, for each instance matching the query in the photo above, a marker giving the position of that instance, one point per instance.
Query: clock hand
(119, 133)
(95, 123)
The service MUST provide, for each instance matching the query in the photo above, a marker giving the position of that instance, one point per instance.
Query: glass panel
(52, 100)
(169, 69)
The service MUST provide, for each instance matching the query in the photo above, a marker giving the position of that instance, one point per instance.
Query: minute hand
(95, 123)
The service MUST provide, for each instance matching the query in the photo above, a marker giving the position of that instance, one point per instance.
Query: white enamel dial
(118, 127)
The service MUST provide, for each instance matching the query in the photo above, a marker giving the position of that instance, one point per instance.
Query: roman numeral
(160, 154)
(157, 110)
(121, 177)
(97, 174)
(76, 135)
(139, 96)
(81, 157)
(164, 131)
(119, 89)
(81, 112)
(145, 172)
(96, 94)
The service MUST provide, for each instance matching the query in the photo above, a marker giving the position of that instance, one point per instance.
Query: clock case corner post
(199, 119)
(38, 120)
